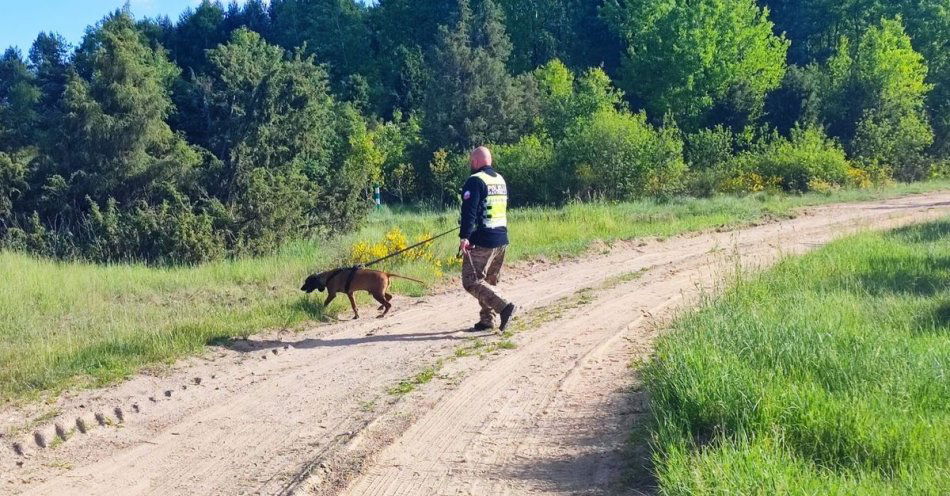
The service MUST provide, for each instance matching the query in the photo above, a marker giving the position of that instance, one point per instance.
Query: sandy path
(309, 413)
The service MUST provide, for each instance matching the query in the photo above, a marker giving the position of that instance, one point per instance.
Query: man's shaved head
(481, 157)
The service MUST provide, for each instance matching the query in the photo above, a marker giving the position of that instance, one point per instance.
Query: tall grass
(826, 375)
(65, 325)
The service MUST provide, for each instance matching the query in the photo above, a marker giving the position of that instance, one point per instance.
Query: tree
(875, 96)
(19, 96)
(409, 23)
(619, 156)
(12, 187)
(49, 62)
(197, 31)
(686, 57)
(398, 140)
(570, 30)
(796, 101)
(402, 32)
(334, 31)
(816, 26)
(472, 99)
(113, 141)
(928, 23)
(283, 156)
(253, 15)
(564, 100)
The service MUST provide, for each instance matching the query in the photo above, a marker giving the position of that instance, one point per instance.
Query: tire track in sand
(541, 418)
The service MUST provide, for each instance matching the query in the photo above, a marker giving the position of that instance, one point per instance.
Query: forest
(239, 127)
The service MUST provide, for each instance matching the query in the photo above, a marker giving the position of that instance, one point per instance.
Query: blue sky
(22, 20)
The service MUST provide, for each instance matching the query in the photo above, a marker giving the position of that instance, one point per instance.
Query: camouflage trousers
(481, 269)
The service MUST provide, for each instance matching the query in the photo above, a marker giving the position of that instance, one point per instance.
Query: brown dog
(347, 281)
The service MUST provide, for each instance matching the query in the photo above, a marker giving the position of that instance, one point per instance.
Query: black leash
(354, 268)
(400, 252)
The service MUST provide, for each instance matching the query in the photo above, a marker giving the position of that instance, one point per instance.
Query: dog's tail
(404, 277)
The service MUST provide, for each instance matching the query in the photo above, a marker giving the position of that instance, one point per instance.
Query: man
(484, 236)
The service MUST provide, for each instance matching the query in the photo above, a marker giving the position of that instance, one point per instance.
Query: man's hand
(465, 247)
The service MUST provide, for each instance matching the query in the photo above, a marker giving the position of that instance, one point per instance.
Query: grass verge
(73, 325)
(825, 375)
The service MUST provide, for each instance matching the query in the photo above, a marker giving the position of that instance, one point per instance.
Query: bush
(708, 153)
(749, 182)
(367, 251)
(172, 232)
(169, 233)
(447, 172)
(807, 157)
(709, 148)
(564, 99)
(896, 139)
(397, 140)
(529, 169)
(619, 156)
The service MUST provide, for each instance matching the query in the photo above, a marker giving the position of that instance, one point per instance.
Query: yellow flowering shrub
(821, 186)
(749, 182)
(395, 240)
(859, 178)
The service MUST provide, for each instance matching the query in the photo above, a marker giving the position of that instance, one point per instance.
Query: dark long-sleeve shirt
(474, 193)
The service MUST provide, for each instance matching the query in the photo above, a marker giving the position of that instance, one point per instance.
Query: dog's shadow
(253, 345)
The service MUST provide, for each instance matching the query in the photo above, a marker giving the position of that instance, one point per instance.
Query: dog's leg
(385, 304)
(353, 304)
(330, 298)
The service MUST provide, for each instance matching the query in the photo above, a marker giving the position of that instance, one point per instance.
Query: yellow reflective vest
(496, 203)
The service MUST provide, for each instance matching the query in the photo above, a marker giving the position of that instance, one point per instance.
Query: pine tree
(113, 141)
(570, 30)
(403, 31)
(472, 99)
(198, 30)
(49, 62)
(272, 125)
(19, 97)
(334, 31)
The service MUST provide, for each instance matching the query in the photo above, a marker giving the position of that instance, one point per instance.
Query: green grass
(825, 375)
(409, 385)
(73, 325)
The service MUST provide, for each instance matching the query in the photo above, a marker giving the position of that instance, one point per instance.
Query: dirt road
(548, 412)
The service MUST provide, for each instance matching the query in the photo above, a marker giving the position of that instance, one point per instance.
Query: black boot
(506, 316)
(479, 327)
